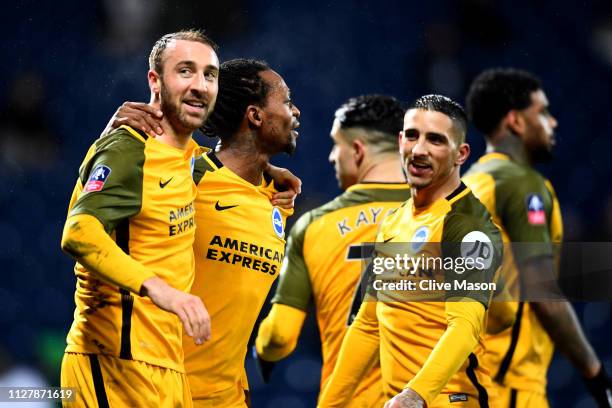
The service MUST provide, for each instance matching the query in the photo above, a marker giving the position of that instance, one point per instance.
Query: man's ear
(154, 81)
(515, 122)
(462, 154)
(254, 115)
(359, 151)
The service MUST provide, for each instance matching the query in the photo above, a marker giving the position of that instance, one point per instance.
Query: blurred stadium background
(67, 65)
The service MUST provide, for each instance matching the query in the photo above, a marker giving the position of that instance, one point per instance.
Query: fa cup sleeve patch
(97, 179)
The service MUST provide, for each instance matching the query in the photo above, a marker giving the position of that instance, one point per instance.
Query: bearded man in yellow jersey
(323, 257)
(130, 227)
(510, 108)
(429, 350)
(239, 244)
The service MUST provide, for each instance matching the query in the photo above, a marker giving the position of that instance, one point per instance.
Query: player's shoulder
(468, 214)
(122, 139)
(206, 162)
(512, 176)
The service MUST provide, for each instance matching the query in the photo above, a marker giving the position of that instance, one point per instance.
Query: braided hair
(240, 85)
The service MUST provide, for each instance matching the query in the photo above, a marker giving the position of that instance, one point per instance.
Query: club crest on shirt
(535, 209)
(277, 223)
(419, 238)
(97, 179)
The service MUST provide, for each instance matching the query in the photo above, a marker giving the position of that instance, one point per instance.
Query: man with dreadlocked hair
(324, 247)
(239, 245)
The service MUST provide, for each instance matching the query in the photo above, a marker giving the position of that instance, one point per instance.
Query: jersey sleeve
(473, 247)
(112, 181)
(294, 287)
(465, 325)
(525, 207)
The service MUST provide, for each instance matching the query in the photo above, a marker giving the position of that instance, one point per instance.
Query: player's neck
(243, 160)
(510, 145)
(178, 138)
(384, 170)
(424, 197)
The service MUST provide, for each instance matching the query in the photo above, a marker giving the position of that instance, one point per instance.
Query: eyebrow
(435, 134)
(191, 63)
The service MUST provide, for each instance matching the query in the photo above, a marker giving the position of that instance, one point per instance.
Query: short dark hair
(240, 85)
(447, 106)
(156, 56)
(497, 91)
(373, 112)
(374, 119)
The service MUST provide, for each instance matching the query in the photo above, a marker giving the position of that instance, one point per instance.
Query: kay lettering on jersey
(363, 218)
(181, 220)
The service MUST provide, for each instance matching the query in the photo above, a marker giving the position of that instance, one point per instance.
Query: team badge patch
(477, 245)
(277, 223)
(97, 178)
(535, 210)
(419, 238)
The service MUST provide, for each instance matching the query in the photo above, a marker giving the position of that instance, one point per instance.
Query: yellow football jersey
(526, 208)
(411, 324)
(324, 264)
(239, 249)
(142, 191)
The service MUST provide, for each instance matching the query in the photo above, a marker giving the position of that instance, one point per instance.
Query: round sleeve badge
(477, 244)
(277, 223)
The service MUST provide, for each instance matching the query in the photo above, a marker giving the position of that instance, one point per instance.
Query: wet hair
(447, 106)
(497, 91)
(157, 52)
(240, 85)
(375, 119)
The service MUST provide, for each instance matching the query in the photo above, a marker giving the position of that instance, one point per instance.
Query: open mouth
(419, 169)
(294, 129)
(195, 105)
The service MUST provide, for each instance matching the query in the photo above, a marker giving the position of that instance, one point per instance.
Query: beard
(290, 146)
(541, 155)
(178, 119)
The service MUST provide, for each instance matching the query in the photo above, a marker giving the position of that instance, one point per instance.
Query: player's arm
(559, 320)
(358, 354)
(279, 331)
(292, 186)
(112, 193)
(138, 115)
(465, 320)
(539, 280)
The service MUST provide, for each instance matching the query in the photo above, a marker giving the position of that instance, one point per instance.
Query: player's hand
(284, 178)
(188, 308)
(406, 399)
(264, 367)
(138, 115)
(600, 388)
(284, 199)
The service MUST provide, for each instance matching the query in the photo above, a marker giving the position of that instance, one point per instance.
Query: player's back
(239, 250)
(524, 205)
(326, 258)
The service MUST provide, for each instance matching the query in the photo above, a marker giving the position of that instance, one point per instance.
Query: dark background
(67, 65)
